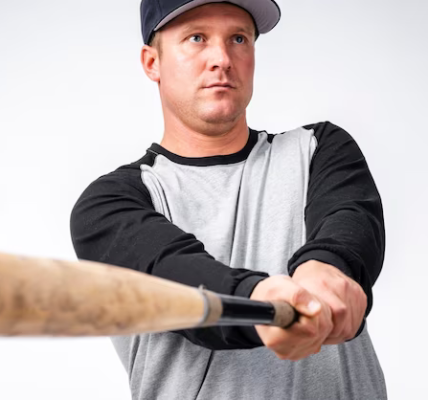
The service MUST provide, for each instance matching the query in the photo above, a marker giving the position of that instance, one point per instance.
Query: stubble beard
(213, 112)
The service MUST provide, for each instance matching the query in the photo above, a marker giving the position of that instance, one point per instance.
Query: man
(294, 216)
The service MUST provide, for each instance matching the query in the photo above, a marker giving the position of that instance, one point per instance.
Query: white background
(75, 104)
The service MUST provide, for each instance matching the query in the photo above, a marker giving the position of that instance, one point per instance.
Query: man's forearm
(343, 215)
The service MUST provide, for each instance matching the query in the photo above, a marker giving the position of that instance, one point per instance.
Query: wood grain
(47, 297)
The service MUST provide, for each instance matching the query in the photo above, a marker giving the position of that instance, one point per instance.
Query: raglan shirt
(227, 222)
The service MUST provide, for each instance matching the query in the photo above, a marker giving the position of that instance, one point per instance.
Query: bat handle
(223, 309)
(285, 314)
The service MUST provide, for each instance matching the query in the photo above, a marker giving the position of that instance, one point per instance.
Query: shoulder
(333, 139)
(324, 131)
(123, 181)
(329, 132)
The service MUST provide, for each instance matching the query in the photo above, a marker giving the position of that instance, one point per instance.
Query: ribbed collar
(233, 158)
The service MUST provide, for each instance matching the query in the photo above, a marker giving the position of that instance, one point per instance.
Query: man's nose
(219, 57)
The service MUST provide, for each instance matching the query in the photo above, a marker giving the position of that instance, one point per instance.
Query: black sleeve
(114, 222)
(343, 215)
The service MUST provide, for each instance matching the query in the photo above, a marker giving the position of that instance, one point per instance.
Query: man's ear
(150, 62)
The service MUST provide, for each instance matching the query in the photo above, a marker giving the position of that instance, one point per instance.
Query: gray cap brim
(266, 13)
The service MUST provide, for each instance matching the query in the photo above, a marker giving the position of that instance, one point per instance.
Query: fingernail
(313, 306)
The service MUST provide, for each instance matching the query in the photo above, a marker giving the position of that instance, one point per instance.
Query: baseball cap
(156, 13)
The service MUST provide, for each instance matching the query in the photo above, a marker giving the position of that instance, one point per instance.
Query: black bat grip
(242, 311)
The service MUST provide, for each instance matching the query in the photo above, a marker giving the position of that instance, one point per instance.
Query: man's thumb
(305, 303)
(313, 307)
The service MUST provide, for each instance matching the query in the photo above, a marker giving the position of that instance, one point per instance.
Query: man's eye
(242, 38)
(197, 36)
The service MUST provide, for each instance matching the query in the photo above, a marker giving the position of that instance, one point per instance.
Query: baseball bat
(49, 297)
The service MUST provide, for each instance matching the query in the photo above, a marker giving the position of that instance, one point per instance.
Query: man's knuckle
(340, 311)
(358, 290)
(343, 285)
(297, 296)
(271, 343)
(276, 343)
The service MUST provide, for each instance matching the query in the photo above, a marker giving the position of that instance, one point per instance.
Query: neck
(215, 140)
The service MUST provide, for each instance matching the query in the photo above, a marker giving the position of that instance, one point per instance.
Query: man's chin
(221, 116)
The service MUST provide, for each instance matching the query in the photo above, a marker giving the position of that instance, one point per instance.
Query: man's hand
(305, 336)
(344, 296)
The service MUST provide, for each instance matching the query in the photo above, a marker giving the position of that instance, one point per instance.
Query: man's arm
(114, 222)
(344, 215)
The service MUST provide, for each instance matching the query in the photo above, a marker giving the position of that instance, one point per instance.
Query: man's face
(209, 44)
